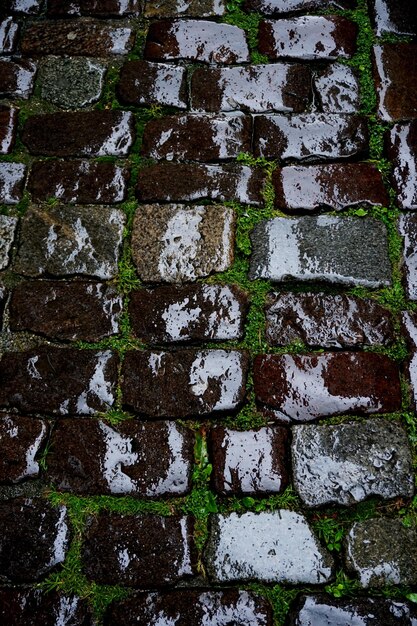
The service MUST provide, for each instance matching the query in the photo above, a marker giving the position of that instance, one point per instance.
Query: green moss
(248, 21)
(280, 598)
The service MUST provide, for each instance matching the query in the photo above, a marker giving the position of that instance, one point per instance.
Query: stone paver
(396, 81)
(8, 227)
(21, 440)
(38, 608)
(16, 78)
(396, 17)
(190, 8)
(146, 83)
(337, 90)
(8, 35)
(8, 128)
(278, 7)
(12, 180)
(71, 83)
(408, 231)
(98, 8)
(409, 323)
(402, 151)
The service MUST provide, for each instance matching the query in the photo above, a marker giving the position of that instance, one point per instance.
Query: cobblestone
(35, 607)
(191, 8)
(394, 17)
(278, 7)
(21, 440)
(395, 81)
(402, 150)
(16, 78)
(71, 83)
(12, 181)
(8, 227)
(337, 89)
(408, 231)
(98, 8)
(8, 128)
(145, 83)
(8, 35)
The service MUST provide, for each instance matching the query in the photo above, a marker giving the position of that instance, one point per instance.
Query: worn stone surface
(326, 321)
(188, 313)
(347, 463)
(323, 609)
(197, 137)
(176, 243)
(24, 7)
(81, 133)
(251, 462)
(9, 30)
(310, 136)
(183, 383)
(308, 37)
(8, 227)
(278, 7)
(8, 128)
(196, 40)
(3, 298)
(346, 251)
(187, 182)
(74, 311)
(95, 39)
(409, 327)
(189, 608)
(396, 81)
(408, 230)
(132, 458)
(394, 16)
(140, 550)
(302, 388)
(382, 552)
(146, 83)
(59, 381)
(255, 88)
(189, 8)
(12, 180)
(71, 83)
(273, 547)
(402, 151)
(333, 186)
(337, 89)
(37, 608)
(98, 8)
(34, 539)
(21, 441)
(64, 240)
(16, 78)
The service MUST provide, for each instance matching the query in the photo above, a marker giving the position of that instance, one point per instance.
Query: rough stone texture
(197, 137)
(74, 311)
(382, 552)
(25, 7)
(189, 608)
(34, 539)
(58, 381)
(139, 551)
(337, 89)
(62, 241)
(302, 388)
(12, 180)
(16, 78)
(408, 230)
(398, 17)
(189, 8)
(272, 547)
(184, 383)
(396, 81)
(409, 327)
(3, 297)
(278, 7)
(334, 186)
(326, 321)
(323, 609)
(8, 35)
(311, 136)
(87, 133)
(71, 83)
(98, 8)
(253, 462)
(145, 83)
(8, 128)
(402, 151)
(196, 40)
(7, 234)
(256, 88)
(175, 243)
(144, 460)
(188, 313)
(21, 440)
(347, 463)
(37, 608)
(346, 251)
(308, 37)
(95, 39)
(78, 181)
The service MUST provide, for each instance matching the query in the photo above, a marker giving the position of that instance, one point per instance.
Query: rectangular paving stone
(189, 608)
(16, 78)
(132, 458)
(272, 547)
(401, 147)
(310, 136)
(77, 38)
(21, 441)
(196, 40)
(12, 181)
(408, 231)
(9, 30)
(253, 462)
(189, 8)
(98, 8)
(409, 327)
(81, 133)
(326, 321)
(279, 7)
(184, 383)
(65, 240)
(337, 89)
(59, 381)
(78, 181)
(187, 182)
(298, 388)
(197, 137)
(397, 17)
(336, 250)
(396, 81)
(333, 186)
(71, 83)
(308, 37)
(8, 128)
(8, 227)
(188, 313)
(69, 311)
(146, 83)
(139, 550)
(255, 88)
(347, 463)
(177, 243)
(40, 608)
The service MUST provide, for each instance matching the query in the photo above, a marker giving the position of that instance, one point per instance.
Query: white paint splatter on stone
(405, 166)
(120, 138)
(181, 244)
(118, 454)
(99, 388)
(385, 85)
(222, 370)
(119, 38)
(61, 539)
